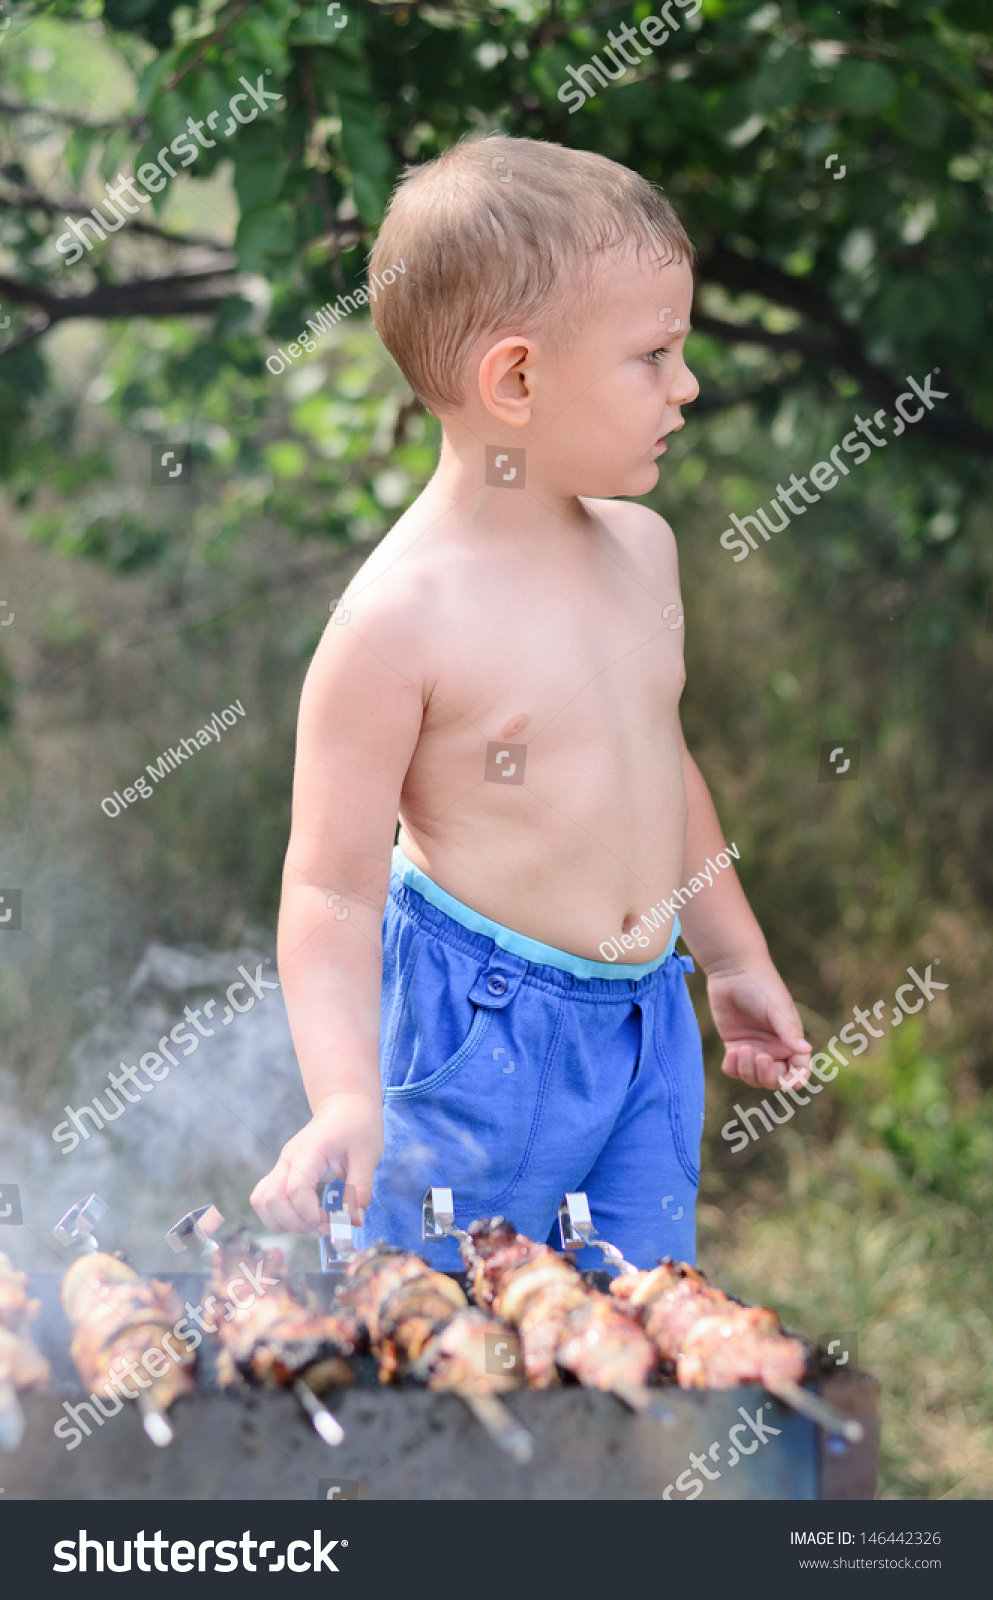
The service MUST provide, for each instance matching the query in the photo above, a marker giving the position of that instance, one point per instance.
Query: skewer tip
(330, 1430)
(157, 1427)
(12, 1425)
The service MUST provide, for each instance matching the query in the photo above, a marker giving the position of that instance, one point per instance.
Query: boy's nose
(685, 389)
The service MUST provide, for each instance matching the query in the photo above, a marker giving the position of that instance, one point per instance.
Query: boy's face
(612, 392)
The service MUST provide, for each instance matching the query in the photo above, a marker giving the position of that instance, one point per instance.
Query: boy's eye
(656, 356)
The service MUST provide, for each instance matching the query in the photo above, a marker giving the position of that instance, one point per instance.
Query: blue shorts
(514, 1073)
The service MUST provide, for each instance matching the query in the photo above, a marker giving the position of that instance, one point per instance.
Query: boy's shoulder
(426, 565)
(639, 529)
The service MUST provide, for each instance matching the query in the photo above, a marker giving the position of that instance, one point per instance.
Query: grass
(868, 1234)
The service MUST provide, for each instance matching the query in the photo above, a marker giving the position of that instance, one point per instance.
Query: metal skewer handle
(438, 1217)
(501, 1425)
(338, 1244)
(576, 1231)
(198, 1224)
(77, 1226)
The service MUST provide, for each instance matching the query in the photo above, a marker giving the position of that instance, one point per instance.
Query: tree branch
(76, 208)
(321, 177)
(144, 297)
(14, 108)
(180, 73)
(842, 348)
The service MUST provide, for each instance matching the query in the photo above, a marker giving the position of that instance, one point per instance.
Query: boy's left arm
(751, 1006)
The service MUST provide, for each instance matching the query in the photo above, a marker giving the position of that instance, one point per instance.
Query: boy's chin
(636, 481)
(640, 480)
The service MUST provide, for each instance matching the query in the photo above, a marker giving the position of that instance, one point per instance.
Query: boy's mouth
(660, 443)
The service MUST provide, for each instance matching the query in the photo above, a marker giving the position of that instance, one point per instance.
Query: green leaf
(780, 83)
(921, 118)
(258, 183)
(370, 198)
(152, 79)
(78, 149)
(264, 234)
(114, 151)
(862, 87)
(362, 144)
(286, 458)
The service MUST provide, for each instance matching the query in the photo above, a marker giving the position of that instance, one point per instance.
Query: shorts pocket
(413, 1091)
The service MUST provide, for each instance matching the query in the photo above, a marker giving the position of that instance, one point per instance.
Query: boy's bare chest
(567, 672)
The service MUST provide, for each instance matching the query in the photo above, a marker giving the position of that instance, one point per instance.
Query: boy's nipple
(515, 725)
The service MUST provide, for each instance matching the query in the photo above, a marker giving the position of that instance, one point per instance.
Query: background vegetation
(137, 610)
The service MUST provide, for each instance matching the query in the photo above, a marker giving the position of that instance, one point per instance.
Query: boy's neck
(469, 474)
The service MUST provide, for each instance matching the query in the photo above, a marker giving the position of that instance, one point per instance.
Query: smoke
(205, 1133)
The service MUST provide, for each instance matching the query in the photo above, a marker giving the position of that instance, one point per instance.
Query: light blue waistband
(517, 943)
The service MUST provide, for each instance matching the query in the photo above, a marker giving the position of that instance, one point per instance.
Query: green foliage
(897, 92)
(937, 1145)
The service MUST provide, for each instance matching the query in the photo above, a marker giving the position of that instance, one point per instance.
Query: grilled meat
(419, 1324)
(604, 1347)
(120, 1317)
(744, 1344)
(496, 1249)
(22, 1365)
(715, 1342)
(458, 1356)
(417, 1321)
(21, 1362)
(280, 1331)
(562, 1323)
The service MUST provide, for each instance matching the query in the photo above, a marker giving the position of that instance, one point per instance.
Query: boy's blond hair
(502, 232)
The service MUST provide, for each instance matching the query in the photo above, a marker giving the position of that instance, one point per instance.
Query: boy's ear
(506, 383)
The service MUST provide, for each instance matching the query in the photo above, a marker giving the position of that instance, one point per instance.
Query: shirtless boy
(503, 675)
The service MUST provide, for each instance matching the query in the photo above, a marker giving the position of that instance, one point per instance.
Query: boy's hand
(760, 1026)
(343, 1139)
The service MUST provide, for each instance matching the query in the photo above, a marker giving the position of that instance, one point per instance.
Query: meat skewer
(576, 1231)
(562, 1322)
(22, 1365)
(716, 1343)
(120, 1317)
(417, 1322)
(279, 1338)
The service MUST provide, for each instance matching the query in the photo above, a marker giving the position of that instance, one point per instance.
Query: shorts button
(495, 984)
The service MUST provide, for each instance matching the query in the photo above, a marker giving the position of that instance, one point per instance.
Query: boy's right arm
(360, 719)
